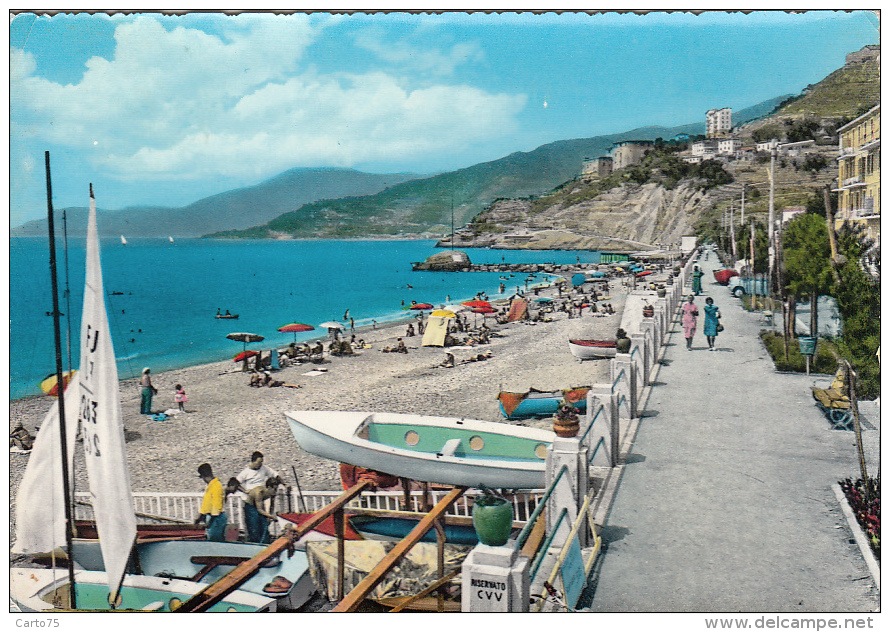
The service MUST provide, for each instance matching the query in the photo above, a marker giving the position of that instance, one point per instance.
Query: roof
(857, 120)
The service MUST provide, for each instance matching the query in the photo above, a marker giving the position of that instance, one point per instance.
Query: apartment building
(859, 173)
(718, 122)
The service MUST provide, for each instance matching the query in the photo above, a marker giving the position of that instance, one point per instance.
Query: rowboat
(227, 316)
(397, 527)
(207, 562)
(592, 349)
(448, 450)
(535, 403)
(44, 589)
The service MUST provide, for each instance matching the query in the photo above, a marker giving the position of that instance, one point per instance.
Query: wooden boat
(592, 349)
(397, 527)
(448, 450)
(209, 561)
(86, 530)
(535, 403)
(43, 589)
(227, 316)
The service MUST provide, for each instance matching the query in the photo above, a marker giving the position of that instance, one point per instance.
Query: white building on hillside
(718, 122)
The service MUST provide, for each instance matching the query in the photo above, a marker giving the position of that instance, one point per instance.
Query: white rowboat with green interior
(448, 450)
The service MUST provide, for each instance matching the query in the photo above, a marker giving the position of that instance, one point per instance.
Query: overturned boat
(535, 403)
(448, 450)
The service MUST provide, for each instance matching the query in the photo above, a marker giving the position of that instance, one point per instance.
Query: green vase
(622, 345)
(492, 520)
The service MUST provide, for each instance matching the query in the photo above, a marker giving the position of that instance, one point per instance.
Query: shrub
(868, 515)
(822, 362)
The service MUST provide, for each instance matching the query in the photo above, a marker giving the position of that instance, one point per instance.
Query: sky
(165, 110)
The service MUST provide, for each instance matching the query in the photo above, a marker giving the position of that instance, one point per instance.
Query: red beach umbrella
(483, 310)
(642, 274)
(296, 328)
(244, 355)
(476, 303)
(421, 306)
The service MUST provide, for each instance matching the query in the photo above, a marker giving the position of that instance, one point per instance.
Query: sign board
(573, 573)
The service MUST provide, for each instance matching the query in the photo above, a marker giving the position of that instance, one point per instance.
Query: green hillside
(844, 93)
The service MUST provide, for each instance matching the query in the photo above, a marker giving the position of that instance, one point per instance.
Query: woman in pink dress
(690, 318)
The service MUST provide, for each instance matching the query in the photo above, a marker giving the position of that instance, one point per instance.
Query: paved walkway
(725, 503)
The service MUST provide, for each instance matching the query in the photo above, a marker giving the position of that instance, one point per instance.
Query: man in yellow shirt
(213, 505)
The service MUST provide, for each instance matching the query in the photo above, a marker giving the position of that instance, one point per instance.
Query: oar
(299, 491)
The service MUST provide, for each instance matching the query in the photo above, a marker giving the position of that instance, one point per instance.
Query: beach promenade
(725, 502)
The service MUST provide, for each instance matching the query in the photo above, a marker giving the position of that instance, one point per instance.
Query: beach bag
(719, 327)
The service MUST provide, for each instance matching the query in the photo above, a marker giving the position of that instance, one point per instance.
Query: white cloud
(436, 61)
(185, 104)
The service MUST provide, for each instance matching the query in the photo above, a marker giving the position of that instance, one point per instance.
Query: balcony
(853, 182)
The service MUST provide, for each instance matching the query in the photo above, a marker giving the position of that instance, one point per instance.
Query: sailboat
(123, 240)
(42, 518)
(171, 239)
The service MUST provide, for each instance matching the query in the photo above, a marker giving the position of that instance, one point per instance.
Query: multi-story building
(718, 122)
(629, 152)
(859, 173)
(599, 168)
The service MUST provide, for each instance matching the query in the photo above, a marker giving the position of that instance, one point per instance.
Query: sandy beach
(226, 420)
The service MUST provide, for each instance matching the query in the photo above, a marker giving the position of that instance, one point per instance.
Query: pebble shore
(226, 420)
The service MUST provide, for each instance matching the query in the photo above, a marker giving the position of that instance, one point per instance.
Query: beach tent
(518, 309)
(578, 279)
(434, 334)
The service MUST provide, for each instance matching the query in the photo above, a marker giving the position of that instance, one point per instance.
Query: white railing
(154, 507)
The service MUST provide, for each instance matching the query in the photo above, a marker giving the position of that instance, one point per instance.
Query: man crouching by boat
(212, 506)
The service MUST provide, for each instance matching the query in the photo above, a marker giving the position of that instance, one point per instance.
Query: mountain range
(332, 203)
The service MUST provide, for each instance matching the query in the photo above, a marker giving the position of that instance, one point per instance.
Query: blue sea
(162, 296)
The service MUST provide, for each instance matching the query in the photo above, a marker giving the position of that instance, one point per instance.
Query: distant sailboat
(123, 240)
(171, 239)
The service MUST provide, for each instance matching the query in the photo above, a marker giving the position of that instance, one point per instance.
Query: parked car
(739, 286)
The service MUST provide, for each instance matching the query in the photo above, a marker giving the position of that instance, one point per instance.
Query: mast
(69, 518)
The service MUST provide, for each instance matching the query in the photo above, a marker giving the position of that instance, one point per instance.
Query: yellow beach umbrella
(443, 313)
(49, 384)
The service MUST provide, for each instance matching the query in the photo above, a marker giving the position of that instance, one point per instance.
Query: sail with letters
(101, 422)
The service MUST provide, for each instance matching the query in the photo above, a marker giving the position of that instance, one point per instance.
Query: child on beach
(180, 397)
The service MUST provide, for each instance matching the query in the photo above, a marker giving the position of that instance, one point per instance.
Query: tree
(761, 254)
(858, 296)
(807, 261)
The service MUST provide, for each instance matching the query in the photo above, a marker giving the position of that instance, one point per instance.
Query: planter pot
(622, 345)
(492, 520)
(661, 292)
(648, 312)
(566, 427)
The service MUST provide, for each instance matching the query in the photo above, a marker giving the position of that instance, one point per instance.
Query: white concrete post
(608, 422)
(639, 340)
(571, 489)
(495, 579)
(648, 329)
(664, 304)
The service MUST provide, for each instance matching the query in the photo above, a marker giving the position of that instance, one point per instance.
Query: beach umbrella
(642, 274)
(443, 313)
(296, 328)
(49, 385)
(421, 306)
(578, 279)
(331, 324)
(244, 355)
(455, 308)
(245, 338)
(476, 303)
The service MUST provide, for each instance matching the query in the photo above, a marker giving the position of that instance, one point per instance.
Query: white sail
(40, 501)
(171, 239)
(101, 422)
(123, 240)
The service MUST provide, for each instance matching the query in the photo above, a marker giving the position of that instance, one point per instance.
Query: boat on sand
(592, 349)
(448, 450)
(535, 403)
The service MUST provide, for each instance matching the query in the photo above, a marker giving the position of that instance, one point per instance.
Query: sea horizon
(162, 297)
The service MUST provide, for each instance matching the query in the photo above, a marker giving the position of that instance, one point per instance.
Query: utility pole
(771, 229)
(742, 219)
(732, 233)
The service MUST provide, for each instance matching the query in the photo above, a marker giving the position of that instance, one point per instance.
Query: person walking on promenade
(690, 319)
(148, 391)
(697, 274)
(712, 322)
(212, 506)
